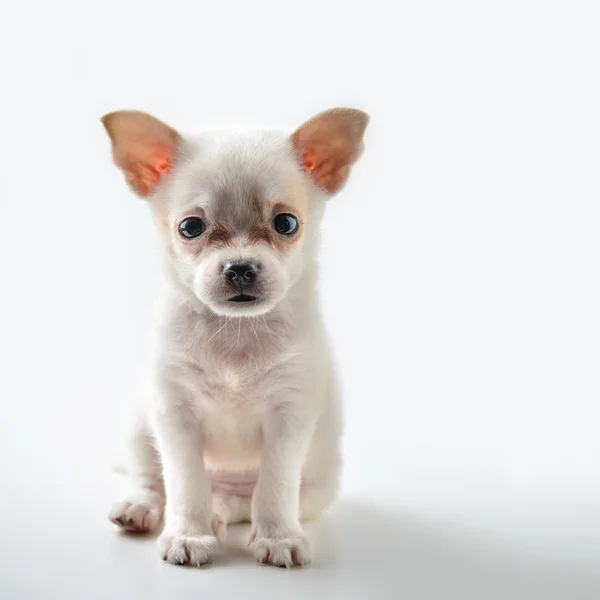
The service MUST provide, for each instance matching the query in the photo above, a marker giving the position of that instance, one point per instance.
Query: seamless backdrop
(459, 282)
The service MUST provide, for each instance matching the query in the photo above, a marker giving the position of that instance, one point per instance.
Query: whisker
(239, 332)
(267, 328)
(256, 335)
(218, 331)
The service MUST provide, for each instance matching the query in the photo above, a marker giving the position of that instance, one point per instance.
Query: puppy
(240, 416)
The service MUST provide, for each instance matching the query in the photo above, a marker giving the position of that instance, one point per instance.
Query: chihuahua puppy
(240, 416)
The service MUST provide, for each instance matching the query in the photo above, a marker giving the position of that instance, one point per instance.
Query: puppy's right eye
(191, 227)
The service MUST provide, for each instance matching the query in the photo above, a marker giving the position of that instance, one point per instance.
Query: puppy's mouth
(242, 298)
(241, 303)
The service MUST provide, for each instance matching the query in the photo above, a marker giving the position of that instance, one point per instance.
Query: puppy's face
(239, 214)
(239, 221)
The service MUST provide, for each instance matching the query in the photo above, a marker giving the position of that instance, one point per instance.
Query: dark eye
(285, 224)
(192, 227)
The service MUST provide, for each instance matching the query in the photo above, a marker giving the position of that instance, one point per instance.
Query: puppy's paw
(187, 549)
(136, 517)
(284, 549)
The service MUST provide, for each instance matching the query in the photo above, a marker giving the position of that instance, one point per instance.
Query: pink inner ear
(146, 172)
(162, 164)
(158, 164)
(308, 162)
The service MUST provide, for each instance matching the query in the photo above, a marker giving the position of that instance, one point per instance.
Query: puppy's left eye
(285, 224)
(191, 227)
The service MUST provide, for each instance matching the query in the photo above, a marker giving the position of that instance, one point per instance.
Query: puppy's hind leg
(142, 510)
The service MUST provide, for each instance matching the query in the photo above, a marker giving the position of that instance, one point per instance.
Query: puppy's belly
(232, 469)
(233, 483)
(232, 444)
(232, 439)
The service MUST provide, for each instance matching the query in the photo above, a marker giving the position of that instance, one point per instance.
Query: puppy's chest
(231, 403)
(225, 387)
(239, 380)
(236, 369)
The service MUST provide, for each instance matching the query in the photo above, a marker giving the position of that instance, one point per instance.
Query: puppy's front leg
(187, 537)
(277, 537)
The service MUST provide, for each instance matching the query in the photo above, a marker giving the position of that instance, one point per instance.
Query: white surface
(460, 284)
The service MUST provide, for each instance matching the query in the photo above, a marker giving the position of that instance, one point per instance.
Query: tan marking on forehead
(237, 208)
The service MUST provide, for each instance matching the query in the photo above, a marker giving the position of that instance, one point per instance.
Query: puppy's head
(239, 213)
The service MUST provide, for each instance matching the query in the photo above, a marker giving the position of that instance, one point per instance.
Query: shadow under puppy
(239, 416)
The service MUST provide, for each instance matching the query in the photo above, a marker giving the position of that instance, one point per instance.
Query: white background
(459, 281)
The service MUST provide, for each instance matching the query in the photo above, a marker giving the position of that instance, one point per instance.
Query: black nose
(240, 274)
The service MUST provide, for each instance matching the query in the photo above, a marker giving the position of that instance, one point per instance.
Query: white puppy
(240, 419)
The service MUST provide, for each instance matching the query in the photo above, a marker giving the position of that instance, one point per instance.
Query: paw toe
(195, 550)
(133, 517)
(283, 552)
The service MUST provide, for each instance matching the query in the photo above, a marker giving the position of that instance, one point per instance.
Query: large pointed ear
(329, 143)
(143, 147)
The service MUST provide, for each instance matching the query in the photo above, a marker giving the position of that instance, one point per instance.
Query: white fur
(240, 416)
